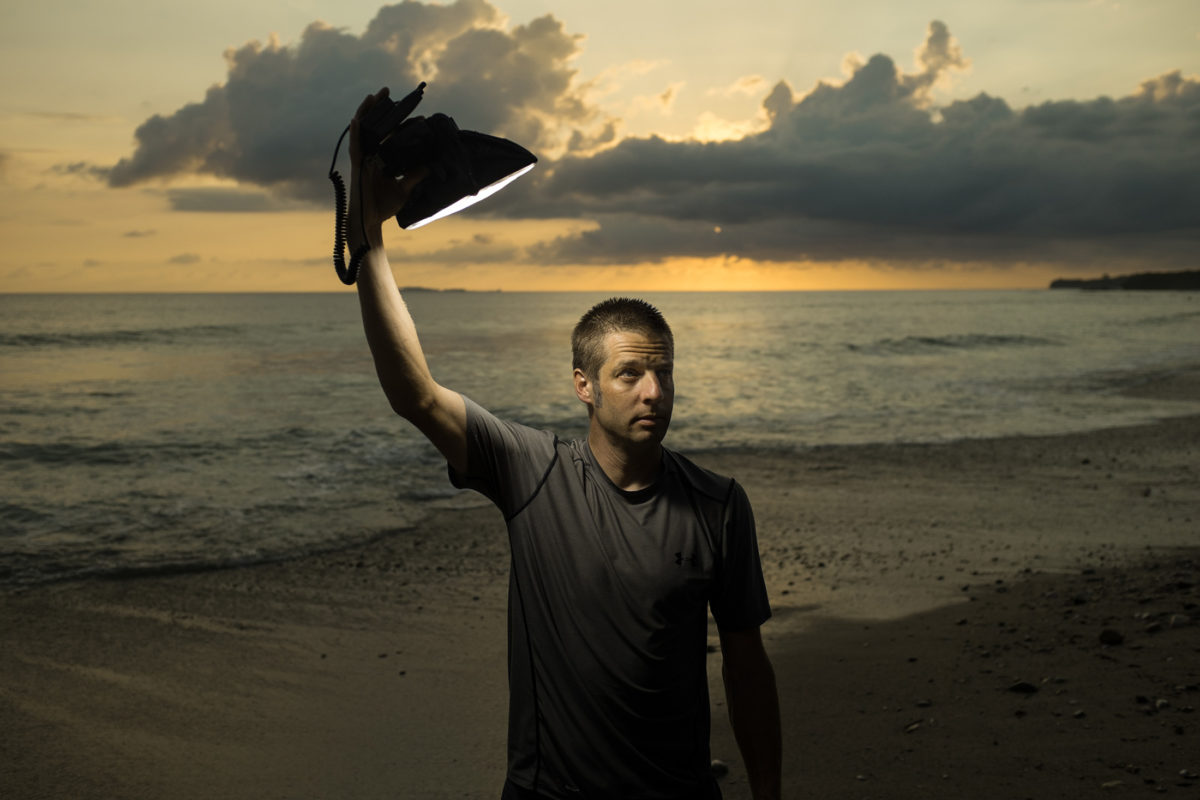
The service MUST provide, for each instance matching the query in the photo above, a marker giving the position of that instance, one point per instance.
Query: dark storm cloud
(869, 169)
(274, 121)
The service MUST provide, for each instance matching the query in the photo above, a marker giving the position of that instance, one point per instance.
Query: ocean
(149, 433)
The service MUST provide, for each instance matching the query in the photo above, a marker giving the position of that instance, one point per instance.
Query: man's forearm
(392, 337)
(754, 714)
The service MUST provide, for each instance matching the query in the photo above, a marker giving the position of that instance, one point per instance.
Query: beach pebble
(1023, 687)
(1110, 636)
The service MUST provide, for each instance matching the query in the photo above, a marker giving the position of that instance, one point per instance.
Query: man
(619, 548)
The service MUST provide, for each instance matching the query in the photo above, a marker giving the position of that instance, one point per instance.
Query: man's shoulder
(480, 415)
(487, 429)
(700, 479)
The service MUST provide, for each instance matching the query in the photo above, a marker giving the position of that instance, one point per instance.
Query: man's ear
(583, 387)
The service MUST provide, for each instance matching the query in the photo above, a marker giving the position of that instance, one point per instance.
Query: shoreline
(1174, 390)
(913, 586)
(1180, 384)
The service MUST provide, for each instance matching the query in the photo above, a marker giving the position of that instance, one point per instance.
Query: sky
(863, 144)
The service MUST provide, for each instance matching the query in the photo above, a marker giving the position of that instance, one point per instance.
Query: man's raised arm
(436, 411)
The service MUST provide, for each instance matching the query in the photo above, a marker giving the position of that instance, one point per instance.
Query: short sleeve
(505, 460)
(739, 597)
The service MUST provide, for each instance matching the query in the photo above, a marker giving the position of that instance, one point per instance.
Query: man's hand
(375, 196)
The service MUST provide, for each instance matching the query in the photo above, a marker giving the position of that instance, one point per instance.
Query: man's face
(632, 396)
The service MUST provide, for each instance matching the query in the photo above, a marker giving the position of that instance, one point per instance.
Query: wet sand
(986, 619)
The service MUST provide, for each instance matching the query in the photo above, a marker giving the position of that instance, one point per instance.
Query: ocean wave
(356, 448)
(917, 345)
(100, 453)
(52, 562)
(187, 334)
(14, 515)
(1167, 319)
(18, 570)
(112, 453)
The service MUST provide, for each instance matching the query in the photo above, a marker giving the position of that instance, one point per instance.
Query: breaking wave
(917, 345)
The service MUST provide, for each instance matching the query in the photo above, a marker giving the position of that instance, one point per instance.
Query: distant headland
(1141, 281)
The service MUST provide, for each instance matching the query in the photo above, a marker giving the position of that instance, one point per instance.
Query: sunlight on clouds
(711, 128)
(657, 103)
(852, 62)
(614, 79)
(747, 85)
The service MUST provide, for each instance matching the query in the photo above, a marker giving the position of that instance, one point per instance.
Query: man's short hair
(617, 314)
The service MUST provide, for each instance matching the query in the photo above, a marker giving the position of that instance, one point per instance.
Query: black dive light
(464, 167)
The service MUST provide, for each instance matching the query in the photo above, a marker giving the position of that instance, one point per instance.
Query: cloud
(223, 200)
(660, 102)
(81, 168)
(870, 169)
(67, 116)
(274, 121)
(937, 56)
(479, 249)
(871, 166)
(745, 85)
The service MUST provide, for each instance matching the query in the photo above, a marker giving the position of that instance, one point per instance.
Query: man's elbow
(414, 404)
(752, 670)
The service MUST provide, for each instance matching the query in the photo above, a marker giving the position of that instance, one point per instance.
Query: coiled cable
(347, 273)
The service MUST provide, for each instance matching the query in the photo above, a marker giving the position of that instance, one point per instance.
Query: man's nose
(651, 387)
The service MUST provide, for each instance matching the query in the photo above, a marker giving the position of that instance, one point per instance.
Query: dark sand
(915, 587)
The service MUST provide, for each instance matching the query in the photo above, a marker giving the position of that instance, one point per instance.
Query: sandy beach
(979, 619)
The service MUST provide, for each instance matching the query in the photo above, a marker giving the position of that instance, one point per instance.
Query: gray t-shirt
(607, 620)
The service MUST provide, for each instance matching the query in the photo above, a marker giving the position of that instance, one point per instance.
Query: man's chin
(650, 434)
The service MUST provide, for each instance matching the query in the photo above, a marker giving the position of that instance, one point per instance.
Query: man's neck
(630, 469)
